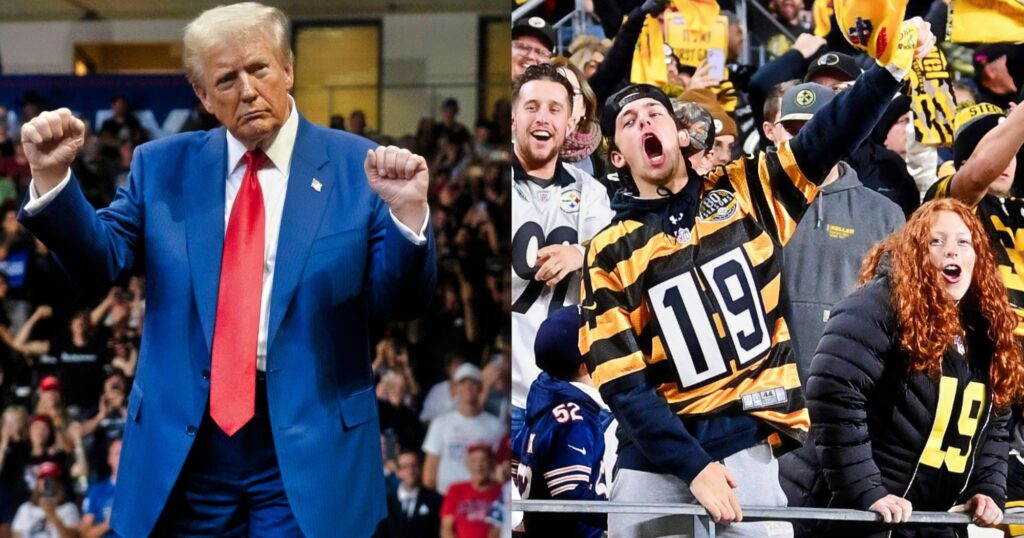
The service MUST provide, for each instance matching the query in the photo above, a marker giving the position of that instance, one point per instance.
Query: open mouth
(653, 149)
(951, 272)
(541, 135)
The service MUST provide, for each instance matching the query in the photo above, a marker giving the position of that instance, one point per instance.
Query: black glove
(653, 7)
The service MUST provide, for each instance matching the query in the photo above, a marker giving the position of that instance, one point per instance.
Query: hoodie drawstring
(820, 211)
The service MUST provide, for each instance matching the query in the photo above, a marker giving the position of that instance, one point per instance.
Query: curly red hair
(929, 318)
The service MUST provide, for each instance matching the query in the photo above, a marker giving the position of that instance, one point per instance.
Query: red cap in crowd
(42, 418)
(49, 469)
(50, 382)
(480, 446)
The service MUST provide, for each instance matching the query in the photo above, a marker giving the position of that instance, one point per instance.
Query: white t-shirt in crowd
(439, 401)
(449, 437)
(30, 520)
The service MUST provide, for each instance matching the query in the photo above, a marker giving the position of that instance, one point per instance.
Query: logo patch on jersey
(543, 197)
(717, 205)
(571, 201)
(764, 398)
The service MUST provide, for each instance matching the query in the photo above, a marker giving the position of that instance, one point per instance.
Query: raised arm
(92, 246)
(788, 66)
(402, 271)
(21, 342)
(617, 63)
(843, 124)
(993, 154)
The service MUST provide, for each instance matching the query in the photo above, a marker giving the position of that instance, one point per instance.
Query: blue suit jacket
(340, 258)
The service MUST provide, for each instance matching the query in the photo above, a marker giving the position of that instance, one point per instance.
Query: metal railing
(704, 523)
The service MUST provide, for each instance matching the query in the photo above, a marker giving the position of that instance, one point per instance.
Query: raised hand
(51, 141)
(702, 77)
(808, 44)
(654, 7)
(400, 178)
(43, 311)
(925, 37)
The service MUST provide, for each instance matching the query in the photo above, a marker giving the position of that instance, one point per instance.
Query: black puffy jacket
(871, 419)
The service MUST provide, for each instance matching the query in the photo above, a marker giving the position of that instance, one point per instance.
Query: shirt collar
(590, 391)
(562, 177)
(406, 493)
(280, 150)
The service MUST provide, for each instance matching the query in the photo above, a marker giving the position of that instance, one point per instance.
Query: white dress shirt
(273, 179)
(407, 500)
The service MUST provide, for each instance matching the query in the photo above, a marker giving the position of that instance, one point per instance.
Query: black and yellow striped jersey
(1003, 219)
(694, 310)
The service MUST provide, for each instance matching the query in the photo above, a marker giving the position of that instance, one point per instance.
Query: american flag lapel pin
(316, 185)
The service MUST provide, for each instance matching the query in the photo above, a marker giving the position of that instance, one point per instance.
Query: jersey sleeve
(773, 185)
(785, 181)
(570, 462)
(939, 189)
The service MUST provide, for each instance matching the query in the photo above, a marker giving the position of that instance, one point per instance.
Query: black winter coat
(871, 419)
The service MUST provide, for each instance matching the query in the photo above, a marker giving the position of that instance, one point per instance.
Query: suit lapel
(303, 210)
(204, 186)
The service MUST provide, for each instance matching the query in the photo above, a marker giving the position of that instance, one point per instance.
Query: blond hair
(235, 22)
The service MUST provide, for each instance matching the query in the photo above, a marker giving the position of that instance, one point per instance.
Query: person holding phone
(47, 513)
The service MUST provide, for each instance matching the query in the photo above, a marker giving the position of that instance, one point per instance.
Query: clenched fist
(400, 178)
(51, 142)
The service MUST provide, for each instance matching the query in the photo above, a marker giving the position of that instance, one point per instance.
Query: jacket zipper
(974, 455)
(988, 415)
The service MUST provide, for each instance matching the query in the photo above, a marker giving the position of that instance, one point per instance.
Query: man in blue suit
(266, 245)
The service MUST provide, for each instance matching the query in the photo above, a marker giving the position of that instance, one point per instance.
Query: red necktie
(233, 370)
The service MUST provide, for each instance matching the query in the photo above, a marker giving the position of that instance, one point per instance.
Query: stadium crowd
(68, 355)
(788, 249)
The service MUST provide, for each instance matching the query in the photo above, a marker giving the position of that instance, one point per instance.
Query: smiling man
(556, 208)
(681, 306)
(266, 245)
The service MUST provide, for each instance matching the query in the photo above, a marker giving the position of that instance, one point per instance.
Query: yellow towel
(649, 56)
(693, 26)
(987, 21)
(931, 95)
(876, 26)
(822, 12)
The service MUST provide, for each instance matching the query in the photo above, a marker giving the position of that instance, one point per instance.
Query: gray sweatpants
(757, 475)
